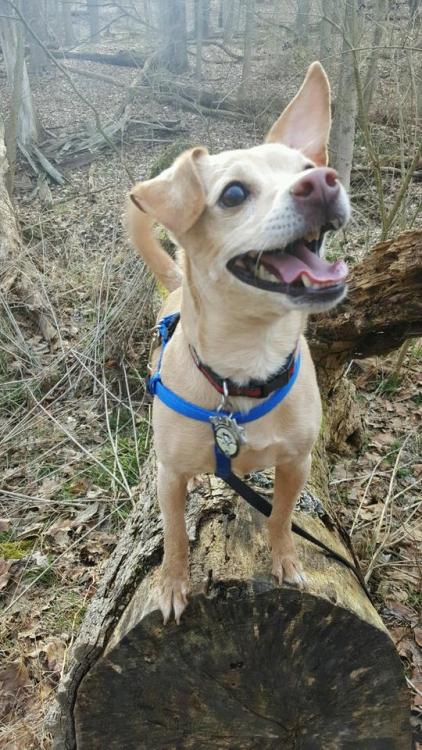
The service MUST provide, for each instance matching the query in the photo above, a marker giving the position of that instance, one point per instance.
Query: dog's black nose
(319, 186)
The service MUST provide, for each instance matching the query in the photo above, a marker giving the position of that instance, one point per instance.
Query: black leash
(263, 506)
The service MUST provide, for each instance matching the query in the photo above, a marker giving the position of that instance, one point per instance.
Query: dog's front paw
(286, 564)
(288, 569)
(173, 595)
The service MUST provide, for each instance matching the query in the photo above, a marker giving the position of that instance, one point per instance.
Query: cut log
(251, 665)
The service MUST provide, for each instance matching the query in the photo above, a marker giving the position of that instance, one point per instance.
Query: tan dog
(251, 224)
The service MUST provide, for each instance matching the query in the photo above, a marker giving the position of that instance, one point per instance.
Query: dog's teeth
(263, 274)
(305, 280)
(314, 234)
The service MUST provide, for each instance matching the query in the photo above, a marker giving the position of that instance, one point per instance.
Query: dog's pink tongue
(289, 266)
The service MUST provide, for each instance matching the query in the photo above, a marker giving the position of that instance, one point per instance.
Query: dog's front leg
(174, 584)
(289, 481)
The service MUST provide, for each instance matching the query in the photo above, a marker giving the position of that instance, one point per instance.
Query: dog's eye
(233, 195)
(308, 166)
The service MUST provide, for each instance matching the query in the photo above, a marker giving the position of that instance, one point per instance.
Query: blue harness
(156, 387)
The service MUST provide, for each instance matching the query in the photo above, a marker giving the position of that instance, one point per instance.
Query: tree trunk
(372, 72)
(35, 16)
(248, 48)
(67, 25)
(251, 665)
(199, 37)
(174, 54)
(202, 17)
(302, 18)
(346, 103)
(326, 35)
(93, 18)
(17, 75)
(228, 20)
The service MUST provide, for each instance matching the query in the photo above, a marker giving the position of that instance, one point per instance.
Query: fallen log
(124, 58)
(251, 664)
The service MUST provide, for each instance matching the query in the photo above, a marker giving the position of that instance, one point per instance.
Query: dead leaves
(14, 678)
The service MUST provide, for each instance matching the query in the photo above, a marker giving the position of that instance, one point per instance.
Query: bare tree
(174, 54)
(199, 8)
(22, 125)
(35, 14)
(302, 17)
(248, 47)
(67, 25)
(229, 8)
(93, 18)
(325, 33)
(372, 72)
(344, 125)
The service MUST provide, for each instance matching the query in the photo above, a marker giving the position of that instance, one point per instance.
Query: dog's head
(252, 221)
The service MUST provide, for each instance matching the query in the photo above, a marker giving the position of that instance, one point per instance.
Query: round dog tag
(228, 435)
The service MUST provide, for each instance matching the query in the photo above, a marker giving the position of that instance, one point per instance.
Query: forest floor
(74, 422)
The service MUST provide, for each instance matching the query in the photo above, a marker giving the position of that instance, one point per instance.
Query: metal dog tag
(228, 435)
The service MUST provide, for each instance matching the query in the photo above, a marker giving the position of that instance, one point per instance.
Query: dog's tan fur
(239, 331)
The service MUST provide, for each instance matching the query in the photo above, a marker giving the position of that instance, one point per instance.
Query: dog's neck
(238, 343)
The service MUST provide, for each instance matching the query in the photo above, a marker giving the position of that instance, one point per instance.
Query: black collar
(252, 389)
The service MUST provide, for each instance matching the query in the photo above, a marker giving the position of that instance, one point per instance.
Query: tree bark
(326, 35)
(344, 124)
(199, 32)
(35, 16)
(251, 665)
(67, 24)
(248, 47)
(174, 55)
(125, 59)
(383, 309)
(372, 72)
(93, 18)
(228, 20)
(17, 74)
(302, 18)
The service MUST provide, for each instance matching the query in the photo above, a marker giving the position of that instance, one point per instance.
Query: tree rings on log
(251, 665)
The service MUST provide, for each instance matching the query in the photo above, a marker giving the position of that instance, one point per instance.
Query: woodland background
(94, 95)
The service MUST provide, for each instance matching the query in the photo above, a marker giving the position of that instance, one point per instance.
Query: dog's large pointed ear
(305, 123)
(176, 197)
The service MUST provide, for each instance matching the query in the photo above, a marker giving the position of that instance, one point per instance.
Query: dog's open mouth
(296, 270)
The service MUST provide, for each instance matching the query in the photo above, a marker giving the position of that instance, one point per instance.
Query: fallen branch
(124, 58)
(96, 76)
